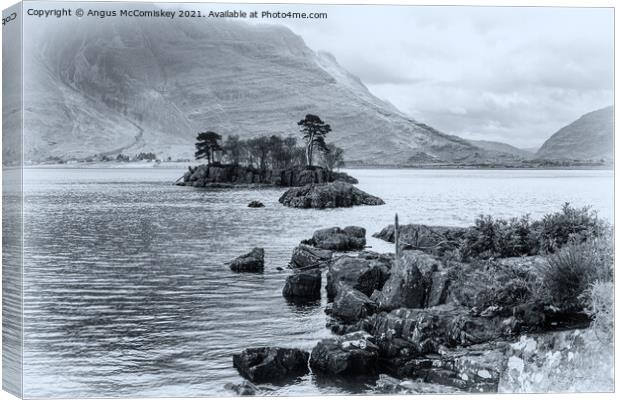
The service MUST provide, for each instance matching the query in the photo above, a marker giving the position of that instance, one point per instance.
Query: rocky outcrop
(303, 284)
(475, 368)
(435, 240)
(433, 328)
(218, 174)
(254, 261)
(271, 364)
(256, 204)
(301, 176)
(353, 354)
(208, 175)
(347, 239)
(305, 256)
(329, 195)
(566, 361)
(360, 273)
(351, 305)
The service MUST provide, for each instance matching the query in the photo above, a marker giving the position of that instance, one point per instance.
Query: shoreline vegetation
(494, 307)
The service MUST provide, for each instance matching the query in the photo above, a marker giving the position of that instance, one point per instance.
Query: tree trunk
(309, 147)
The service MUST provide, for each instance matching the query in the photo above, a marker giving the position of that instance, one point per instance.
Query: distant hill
(588, 138)
(143, 86)
(503, 148)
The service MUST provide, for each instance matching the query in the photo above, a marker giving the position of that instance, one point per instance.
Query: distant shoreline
(184, 165)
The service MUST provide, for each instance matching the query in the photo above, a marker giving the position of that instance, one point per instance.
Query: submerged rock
(242, 389)
(349, 355)
(254, 261)
(303, 285)
(347, 239)
(271, 364)
(305, 256)
(329, 195)
(256, 204)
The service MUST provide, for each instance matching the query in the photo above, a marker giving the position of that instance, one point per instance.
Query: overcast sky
(510, 74)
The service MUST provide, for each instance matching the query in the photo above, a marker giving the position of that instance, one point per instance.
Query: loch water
(126, 291)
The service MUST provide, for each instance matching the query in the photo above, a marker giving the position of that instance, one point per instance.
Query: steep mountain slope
(589, 138)
(127, 86)
(503, 148)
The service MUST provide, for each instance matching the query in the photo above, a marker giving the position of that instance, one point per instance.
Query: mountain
(589, 138)
(503, 148)
(143, 86)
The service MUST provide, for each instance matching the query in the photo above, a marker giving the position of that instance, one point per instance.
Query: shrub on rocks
(570, 272)
(502, 284)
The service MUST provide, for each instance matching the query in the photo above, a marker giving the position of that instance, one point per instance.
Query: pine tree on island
(208, 143)
(314, 131)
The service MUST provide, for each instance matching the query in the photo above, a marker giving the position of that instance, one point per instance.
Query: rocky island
(277, 161)
(494, 307)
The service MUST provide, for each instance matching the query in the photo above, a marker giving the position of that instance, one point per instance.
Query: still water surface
(127, 294)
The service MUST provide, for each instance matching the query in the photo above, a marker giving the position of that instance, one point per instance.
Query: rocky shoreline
(205, 175)
(421, 315)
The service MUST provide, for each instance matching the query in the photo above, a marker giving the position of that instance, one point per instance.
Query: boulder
(435, 240)
(271, 364)
(304, 284)
(336, 239)
(365, 275)
(256, 204)
(350, 355)
(242, 389)
(309, 257)
(405, 286)
(329, 195)
(254, 261)
(352, 305)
